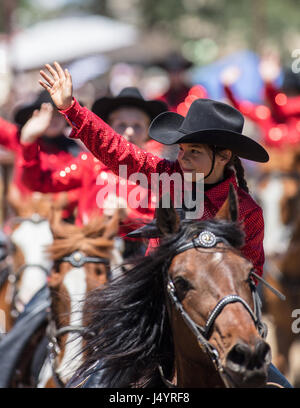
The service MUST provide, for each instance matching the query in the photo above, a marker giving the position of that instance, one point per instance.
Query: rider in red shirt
(130, 114)
(175, 66)
(260, 114)
(55, 148)
(213, 157)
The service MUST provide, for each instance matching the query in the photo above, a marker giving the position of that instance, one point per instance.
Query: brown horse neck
(196, 374)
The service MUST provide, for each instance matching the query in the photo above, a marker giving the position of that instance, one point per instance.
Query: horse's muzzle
(246, 366)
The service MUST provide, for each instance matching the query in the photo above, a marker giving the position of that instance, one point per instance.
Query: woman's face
(197, 158)
(132, 123)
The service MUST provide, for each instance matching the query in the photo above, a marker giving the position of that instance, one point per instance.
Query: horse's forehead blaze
(93, 278)
(196, 265)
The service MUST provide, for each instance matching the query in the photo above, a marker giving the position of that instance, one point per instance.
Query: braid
(240, 173)
(233, 162)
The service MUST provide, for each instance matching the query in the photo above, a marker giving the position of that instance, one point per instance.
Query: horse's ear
(15, 199)
(167, 219)
(230, 209)
(59, 227)
(112, 223)
(55, 221)
(61, 200)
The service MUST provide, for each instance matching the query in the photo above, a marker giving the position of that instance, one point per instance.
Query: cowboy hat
(208, 122)
(174, 62)
(129, 96)
(24, 112)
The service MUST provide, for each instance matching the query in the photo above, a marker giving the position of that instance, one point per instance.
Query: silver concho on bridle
(77, 258)
(207, 239)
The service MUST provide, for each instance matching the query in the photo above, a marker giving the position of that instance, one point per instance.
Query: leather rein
(207, 239)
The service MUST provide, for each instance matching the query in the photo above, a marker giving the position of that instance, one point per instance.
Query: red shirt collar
(218, 194)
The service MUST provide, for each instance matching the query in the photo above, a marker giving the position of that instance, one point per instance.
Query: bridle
(13, 278)
(35, 218)
(207, 239)
(76, 259)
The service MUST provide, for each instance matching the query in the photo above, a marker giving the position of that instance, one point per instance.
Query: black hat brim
(164, 129)
(24, 112)
(103, 107)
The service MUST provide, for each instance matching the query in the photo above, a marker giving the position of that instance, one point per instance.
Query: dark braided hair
(236, 163)
(240, 173)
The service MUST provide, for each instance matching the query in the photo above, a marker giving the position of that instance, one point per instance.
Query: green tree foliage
(250, 19)
(249, 22)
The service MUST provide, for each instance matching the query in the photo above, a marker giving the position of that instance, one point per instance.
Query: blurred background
(244, 52)
(110, 44)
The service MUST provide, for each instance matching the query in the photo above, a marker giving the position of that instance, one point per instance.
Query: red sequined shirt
(10, 139)
(114, 150)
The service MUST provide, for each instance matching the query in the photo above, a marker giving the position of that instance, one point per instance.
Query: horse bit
(207, 239)
(76, 259)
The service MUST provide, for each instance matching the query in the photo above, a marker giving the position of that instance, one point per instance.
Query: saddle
(15, 341)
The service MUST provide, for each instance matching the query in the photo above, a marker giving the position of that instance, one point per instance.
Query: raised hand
(59, 85)
(269, 69)
(230, 75)
(37, 124)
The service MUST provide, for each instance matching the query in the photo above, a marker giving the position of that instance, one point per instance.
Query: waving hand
(58, 84)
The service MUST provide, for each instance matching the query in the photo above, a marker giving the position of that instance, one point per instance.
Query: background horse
(278, 193)
(187, 314)
(81, 257)
(6, 265)
(29, 234)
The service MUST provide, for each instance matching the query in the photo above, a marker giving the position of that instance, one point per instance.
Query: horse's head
(30, 233)
(188, 309)
(211, 302)
(81, 262)
(87, 248)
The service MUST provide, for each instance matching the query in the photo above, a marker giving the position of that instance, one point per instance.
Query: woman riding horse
(211, 143)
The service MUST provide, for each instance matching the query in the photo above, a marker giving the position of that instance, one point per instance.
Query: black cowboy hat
(23, 113)
(129, 96)
(174, 62)
(208, 122)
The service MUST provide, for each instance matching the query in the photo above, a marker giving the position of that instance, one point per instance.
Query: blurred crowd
(274, 120)
(54, 163)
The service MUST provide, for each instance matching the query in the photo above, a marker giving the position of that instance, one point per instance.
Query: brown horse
(279, 195)
(81, 257)
(187, 314)
(6, 275)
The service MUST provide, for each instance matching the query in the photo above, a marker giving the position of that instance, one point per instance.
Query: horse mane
(129, 318)
(90, 239)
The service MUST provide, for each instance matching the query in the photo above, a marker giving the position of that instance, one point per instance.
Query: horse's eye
(99, 271)
(102, 269)
(182, 287)
(55, 267)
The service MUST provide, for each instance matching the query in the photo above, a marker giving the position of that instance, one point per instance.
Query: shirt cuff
(75, 115)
